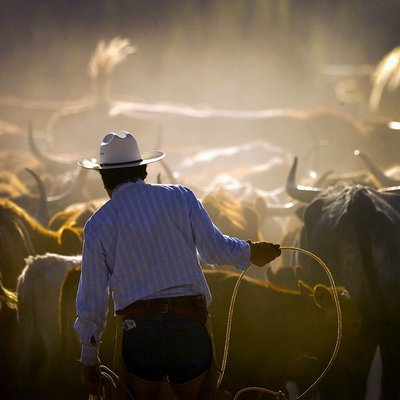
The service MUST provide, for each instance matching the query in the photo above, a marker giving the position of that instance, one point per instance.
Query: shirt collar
(139, 184)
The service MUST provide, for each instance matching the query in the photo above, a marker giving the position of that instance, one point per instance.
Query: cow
(248, 219)
(383, 177)
(41, 290)
(48, 191)
(72, 191)
(385, 81)
(21, 235)
(14, 188)
(75, 215)
(278, 335)
(276, 215)
(356, 230)
(231, 216)
(382, 140)
(11, 185)
(11, 135)
(9, 343)
(292, 343)
(38, 292)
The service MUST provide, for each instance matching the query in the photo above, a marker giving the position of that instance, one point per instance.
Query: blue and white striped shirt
(145, 242)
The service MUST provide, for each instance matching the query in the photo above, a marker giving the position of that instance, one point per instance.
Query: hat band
(121, 163)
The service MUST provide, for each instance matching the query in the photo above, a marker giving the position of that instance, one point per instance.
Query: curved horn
(305, 194)
(75, 187)
(168, 171)
(50, 160)
(44, 200)
(392, 189)
(376, 171)
(42, 211)
(322, 179)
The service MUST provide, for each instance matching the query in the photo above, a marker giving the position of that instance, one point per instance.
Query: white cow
(38, 292)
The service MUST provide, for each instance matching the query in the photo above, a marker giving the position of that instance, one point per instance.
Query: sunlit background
(208, 54)
(237, 54)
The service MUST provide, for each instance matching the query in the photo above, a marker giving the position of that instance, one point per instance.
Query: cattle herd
(321, 180)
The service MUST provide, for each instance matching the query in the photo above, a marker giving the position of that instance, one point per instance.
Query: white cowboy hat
(120, 150)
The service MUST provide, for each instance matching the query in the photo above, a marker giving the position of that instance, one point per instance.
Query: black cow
(356, 230)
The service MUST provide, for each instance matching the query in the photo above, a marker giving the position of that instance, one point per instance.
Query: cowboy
(144, 245)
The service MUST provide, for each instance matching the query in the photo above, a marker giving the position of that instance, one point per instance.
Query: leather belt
(191, 306)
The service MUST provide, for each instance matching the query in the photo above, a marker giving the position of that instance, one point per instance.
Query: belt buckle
(166, 308)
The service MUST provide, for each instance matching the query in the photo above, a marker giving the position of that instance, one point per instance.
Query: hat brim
(147, 158)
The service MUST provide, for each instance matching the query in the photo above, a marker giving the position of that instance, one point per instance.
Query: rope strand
(279, 394)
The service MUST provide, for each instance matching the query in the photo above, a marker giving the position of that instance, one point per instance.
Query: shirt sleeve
(92, 297)
(213, 246)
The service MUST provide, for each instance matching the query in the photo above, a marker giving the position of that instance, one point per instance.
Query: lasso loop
(279, 394)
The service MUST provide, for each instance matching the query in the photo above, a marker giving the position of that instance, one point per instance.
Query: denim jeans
(158, 345)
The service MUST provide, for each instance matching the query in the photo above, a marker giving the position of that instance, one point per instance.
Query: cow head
(231, 216)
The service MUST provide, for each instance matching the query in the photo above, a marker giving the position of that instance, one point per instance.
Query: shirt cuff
(89, 355)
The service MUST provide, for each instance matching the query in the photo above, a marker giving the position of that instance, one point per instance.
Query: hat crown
(119, 148)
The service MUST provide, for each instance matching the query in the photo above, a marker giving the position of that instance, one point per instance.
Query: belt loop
(166, 308)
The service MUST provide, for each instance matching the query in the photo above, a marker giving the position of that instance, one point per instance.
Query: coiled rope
(279, 394)
(111, 377)
(107, 375)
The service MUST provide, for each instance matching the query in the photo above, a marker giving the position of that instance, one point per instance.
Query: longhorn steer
(21, 235)
(233, 217)
(356, 231)
(238, 218)
(38, 293)
(75, 215)
(278, 335)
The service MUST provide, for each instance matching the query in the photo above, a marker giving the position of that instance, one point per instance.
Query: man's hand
(90, 376)
(262, 253)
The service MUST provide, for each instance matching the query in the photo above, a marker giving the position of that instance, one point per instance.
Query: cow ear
(300, 213)
(322, 296)
(57, 220)
(304, 289)
(70, 239)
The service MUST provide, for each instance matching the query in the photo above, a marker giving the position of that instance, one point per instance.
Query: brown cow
(278, 335)
(11, 185)
(232, 217)
(75, 215)
(21, 235)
